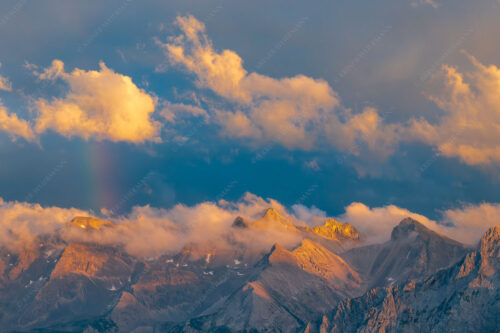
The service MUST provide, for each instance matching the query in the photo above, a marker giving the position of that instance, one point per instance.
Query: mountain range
(326, 279)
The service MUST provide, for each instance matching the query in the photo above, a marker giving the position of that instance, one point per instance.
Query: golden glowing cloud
(14, 126)
(102, 105)
(22, 222)
(470, 127)
(298, 112)
(295, 112)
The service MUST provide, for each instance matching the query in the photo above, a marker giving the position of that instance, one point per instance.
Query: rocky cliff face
(336, 230)
(312, 285)
(285, 290)
(461, 298)
(86, 281)
(413, 251)
(89, 223)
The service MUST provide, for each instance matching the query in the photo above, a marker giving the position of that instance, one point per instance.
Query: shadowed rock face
(461, 298)
(239, 222)
(58, 286)
(85, 281)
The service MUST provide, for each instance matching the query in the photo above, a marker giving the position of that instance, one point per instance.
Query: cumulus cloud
(296, 112)
(100, 104)
(466, 224)
(365, 132)
(4, 82)
(15, 127)
(301, 112)
(470, 127)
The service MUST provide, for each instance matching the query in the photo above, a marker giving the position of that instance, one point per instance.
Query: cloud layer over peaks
(466, 224)
(148, 231)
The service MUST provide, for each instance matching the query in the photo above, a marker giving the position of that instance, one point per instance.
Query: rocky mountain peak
(280, 255)
(274, 220)
(336, 230)
(89, 223)
(308, 244)
(240, 222)
(272, 213)
(461, 297)
(277, 249)
(312, 257)
(407, 227)
(488, 246)
(287, 288)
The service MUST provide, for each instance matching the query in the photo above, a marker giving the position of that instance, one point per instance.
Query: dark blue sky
(379, 54)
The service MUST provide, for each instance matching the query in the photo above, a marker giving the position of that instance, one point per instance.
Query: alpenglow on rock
(336, 230)
(89, 223)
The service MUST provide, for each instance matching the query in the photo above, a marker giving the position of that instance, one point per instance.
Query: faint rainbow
(101, 177)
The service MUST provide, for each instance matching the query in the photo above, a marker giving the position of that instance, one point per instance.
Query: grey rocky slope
(55, 285)
(289, 289)
(462, 298)
(58, 286)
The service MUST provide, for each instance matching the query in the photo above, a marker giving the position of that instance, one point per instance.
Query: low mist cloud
(149, 232)
(471, 221)
(466, 224)
(20, 223)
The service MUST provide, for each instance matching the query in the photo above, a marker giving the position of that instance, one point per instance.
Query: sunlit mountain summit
(90, 223)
